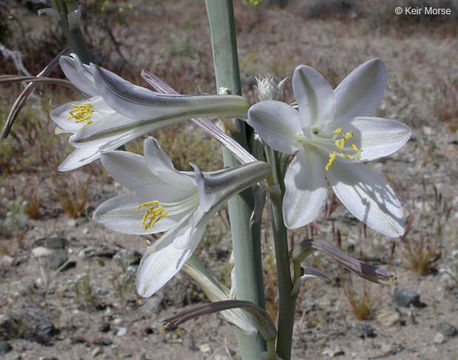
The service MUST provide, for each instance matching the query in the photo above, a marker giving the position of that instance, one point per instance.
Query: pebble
(406, 297)
(121, 332)
(104, 327)
(6, 261)
(439, 338)
(57, 258)
(204, 348)
(117, 321)
(366, 331)
(41, 251)
(96, 351)
(385, 348)
(5, 347)
(333, 352)
(388, 318)
(446, 329)
(51, 243)
(47, 328)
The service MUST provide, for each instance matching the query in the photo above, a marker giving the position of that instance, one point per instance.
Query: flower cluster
(330, 136)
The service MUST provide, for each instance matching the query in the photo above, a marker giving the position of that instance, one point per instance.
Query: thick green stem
(287, 300)
(245, 236)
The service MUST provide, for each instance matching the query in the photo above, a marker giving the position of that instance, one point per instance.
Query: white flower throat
(159, 210)
(155, 213)
(329, 145)
(81, 113)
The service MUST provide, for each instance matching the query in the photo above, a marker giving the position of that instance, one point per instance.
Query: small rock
(104, 327)
(333, 352)
(446, 329)
(366, 331)
(386, 349)
(427, 130)
(6, 261)
(51, 243)
(406, 297)
(204, 348)
(388, 318)
(121, 332)
(96, 351)
(41, 251)
(57, 259)
(117, 321)
(439, 338)
(47, 328)
(5, 347)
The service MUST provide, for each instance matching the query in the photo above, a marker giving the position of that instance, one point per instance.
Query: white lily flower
(160, 198)
(331, 135)
(118, 111)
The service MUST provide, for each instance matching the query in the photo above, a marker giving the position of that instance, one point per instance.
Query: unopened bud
(268, 89)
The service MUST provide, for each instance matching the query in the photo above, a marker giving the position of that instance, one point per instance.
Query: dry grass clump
(33, 203)
(421, 242)
(446, 103)
(71, 192)
(363, 302)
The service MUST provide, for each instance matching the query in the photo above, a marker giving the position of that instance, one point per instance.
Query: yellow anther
(81, 113)
(340, 143)
(356, 156)
(153, 214)
(332, 158)
(348, 135)
(337, 131)
(355, 149)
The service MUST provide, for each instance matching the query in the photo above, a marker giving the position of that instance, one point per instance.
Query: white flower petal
(368, 197)
(158, 266)
(61, 115)
(79, 74)
(115, 126)
(276, 123)
(120, 214)
(378, 137)
(143, 104)
(160, 165)
(79, 157)
(306, 190)
(361, 92)
(314, 96)
(131, 171)
(126, 168)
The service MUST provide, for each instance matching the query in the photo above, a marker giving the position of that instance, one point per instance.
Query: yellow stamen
(81, 113)
(337, 131)
(153, 214)
(332, 158)
(340, 143)
(355, 149)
